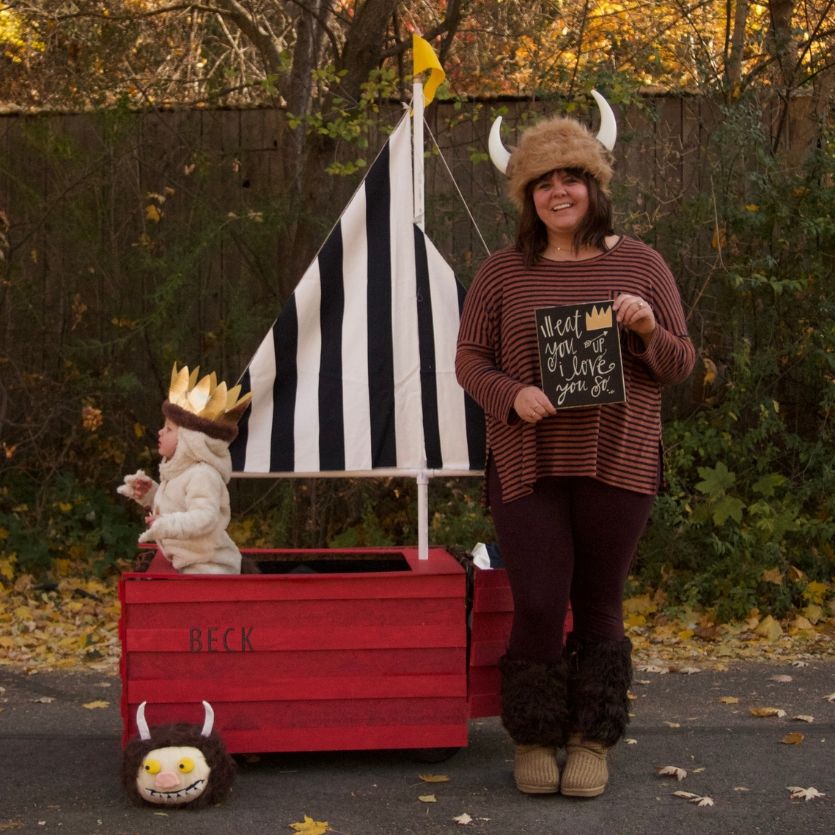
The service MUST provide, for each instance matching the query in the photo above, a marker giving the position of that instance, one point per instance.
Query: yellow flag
(424, 58)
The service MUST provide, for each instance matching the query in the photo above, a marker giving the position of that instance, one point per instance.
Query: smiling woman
(554, 474)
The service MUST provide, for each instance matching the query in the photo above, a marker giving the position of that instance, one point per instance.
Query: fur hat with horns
(554, 143)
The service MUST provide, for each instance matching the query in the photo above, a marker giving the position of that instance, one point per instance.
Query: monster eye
(152, 766)
(185, 765)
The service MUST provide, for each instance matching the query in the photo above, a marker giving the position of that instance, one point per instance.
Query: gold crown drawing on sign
(204, 405)
(599, 319)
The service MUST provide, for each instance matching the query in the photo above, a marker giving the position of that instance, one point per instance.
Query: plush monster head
(179, 766)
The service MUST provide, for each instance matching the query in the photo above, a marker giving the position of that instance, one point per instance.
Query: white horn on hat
(209, 721)
(498, 153)
(141, 723)
(606, 135)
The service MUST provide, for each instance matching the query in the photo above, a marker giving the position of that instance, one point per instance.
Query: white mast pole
(420, 220)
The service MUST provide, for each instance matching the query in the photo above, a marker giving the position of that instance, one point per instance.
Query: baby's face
(167, 438)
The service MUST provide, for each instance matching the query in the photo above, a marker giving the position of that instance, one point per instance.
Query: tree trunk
(733, 69)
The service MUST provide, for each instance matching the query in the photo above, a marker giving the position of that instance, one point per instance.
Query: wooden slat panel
(354, 738)
(317, 636)
(358, 662)
(334, 614)
(313, 687)
(302, 712)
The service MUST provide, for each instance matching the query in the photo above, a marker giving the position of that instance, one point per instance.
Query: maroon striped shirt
(498, 356)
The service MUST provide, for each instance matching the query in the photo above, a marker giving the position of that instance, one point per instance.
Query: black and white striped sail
(357, 373)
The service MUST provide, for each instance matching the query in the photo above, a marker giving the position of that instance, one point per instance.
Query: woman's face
(561, 200)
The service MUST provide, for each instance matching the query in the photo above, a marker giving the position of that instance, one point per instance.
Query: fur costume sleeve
(128, 488)
(203, 496)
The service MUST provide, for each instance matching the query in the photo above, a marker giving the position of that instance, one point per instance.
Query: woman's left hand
(635, 315)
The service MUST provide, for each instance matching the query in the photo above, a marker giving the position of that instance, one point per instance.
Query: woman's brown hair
(532, 236)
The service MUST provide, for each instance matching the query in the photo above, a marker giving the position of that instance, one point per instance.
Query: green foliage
(749, 518)
(65, 521)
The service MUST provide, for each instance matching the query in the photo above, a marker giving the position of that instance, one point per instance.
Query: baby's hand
(135, 486)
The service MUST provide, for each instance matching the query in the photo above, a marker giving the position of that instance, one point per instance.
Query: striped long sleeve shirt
(497, 356)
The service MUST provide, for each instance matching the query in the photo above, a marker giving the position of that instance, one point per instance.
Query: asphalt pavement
(60, 765)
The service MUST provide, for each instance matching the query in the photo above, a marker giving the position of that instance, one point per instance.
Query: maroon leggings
(571, 539)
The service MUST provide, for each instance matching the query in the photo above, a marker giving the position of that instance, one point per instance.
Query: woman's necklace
(562, 252)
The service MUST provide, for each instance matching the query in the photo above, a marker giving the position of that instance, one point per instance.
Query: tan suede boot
(535, 769)
(585, 773)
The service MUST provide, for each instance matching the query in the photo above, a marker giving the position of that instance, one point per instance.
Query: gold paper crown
(599, 319)
(205, 405)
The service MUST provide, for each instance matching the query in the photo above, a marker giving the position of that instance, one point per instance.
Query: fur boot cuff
(534, 702)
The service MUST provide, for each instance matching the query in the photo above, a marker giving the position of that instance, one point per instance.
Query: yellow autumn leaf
(773, 575)
(311, 827)
(710, 371)
(813, 613)
(764, 712)
(95, 705)
(7, 567)
(434, 778)
(729, 700)
(152, 213)
(793, 738)
(815, 592)
(642, 605)
(769, 628)
(427, 798)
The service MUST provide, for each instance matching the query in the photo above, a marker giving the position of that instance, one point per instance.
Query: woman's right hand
(532, 405)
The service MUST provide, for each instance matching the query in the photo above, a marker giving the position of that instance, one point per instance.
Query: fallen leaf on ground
(671, 771)
(428, 798)
(673, 724)
(768, 711)
(434, 778)
(804, 717)
(769, 629)
(729, 700)
(741, 789)
(800, 664)
(463, 819)
(311, 827)
(631, 741)
(653, 668)
(783, 679)
(698, 799)
(44, 700)
(799, 793)
(794, 738)
(97, 704)
(830, 697)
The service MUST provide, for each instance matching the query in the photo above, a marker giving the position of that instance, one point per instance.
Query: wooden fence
(138, 235)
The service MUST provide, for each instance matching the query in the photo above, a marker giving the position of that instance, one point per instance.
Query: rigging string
(457, 189)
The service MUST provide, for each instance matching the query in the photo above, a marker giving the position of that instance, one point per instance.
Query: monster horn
(209, 722)
(141, 723)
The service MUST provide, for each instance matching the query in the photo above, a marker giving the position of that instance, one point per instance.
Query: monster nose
(167, 780)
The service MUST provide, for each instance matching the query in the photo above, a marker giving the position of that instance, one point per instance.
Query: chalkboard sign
(579, 354)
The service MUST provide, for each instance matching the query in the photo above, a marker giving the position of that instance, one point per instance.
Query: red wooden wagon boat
(367, 649)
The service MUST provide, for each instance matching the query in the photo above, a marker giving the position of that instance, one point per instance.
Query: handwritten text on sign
(579, 354)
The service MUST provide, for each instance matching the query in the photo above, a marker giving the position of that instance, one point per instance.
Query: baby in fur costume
(189, 508)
